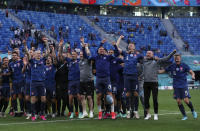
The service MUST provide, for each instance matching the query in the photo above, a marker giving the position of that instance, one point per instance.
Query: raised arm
(119, 40)
(161, 71)
(26, 49)
(53, 55)
(25, 62)
(165, 59)
(192, 74)
(47, 52)
(60, 50)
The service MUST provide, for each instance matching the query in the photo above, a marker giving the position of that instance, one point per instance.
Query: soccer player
(103, 84)
(131, 58)
(151, 66)
(16, 66)
(178, 71)
(86, 79)
(50, 82)
(74, 83)
(5, 90)
(38, 76)
(26, 70)
(114, 77)
(61, 82)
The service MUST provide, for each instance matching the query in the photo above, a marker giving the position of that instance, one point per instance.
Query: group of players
(42, 80)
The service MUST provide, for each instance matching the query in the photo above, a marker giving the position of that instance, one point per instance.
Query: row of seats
(189, 29)
(147, 37)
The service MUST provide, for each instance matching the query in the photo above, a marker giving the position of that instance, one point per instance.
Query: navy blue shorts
(103, 85)
(17, 88)
(27, 89)
(5, 91)
(74, 87)
(130, 83)
(38, 89)
(51, 93)
(181, 93)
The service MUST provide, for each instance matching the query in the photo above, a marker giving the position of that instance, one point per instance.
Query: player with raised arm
(38, 76)
(86, 79)
(50, 83)
(178, 71)
(103, 84)
(151, 66)
(131, 58)
(74, 83)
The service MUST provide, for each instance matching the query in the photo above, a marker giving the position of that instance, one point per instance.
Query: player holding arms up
(178, 71)
(38, 77)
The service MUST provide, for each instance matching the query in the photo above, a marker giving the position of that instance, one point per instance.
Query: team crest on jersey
(104, 58)
(135, 56)
(181, 68)
(131, 55)
(114, 62)
(15, 65)
(177, 69)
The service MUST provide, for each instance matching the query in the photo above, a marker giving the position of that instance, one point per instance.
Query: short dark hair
(4, 58)
(15, 52)
(177, 55)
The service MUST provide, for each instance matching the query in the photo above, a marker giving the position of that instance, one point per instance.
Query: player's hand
(121, 36)
(82, 39)
(25, 61)
(174, 50)
(61, 43)
(103, 41)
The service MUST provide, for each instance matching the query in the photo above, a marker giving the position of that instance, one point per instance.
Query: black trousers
(62, 96)
(148, 88)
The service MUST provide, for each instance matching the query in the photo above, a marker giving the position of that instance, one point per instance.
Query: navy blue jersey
(16, 71)
(50, 76)
(130, 63)
(179, 74)
(114, 69)
(102, 63)
(38, 72)
(5, 77)
(74, 70)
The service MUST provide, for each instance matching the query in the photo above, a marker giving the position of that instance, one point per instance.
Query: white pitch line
(55, 121)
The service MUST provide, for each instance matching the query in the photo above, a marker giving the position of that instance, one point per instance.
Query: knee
(179, 102)
(136, 94)
(186, 100)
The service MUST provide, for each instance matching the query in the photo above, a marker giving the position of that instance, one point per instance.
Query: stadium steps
(20, 22)
(103, 34)
(177, 39)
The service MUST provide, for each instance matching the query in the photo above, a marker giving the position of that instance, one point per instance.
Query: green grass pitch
(169, 120)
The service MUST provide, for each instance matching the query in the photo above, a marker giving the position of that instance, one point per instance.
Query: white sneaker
(128, 115)
(91, 115)
(155, 116)
(53, 115)
(148, 116)
(85, 114)
(137, 116)
(28, 116)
